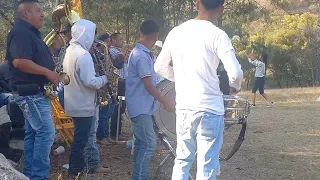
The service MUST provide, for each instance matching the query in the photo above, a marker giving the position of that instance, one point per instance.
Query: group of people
(190, 62)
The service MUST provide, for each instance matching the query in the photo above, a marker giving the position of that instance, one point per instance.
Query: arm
(254, 62)
(162, 64)
(87, 73)
(227, 55)
(117, 57)
(21, 50)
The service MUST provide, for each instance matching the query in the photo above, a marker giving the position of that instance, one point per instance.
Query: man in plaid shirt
(118, 56)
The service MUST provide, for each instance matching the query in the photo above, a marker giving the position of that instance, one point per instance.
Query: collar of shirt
(29, 26)
(145, 49)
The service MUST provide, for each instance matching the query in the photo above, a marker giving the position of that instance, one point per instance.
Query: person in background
(141, 96)
(260, 76)
(156, 51)
(200, 117)
(105, 111)
(5, 88)
(31, 66)
(81, 96)
(66, 33)
(118, 54)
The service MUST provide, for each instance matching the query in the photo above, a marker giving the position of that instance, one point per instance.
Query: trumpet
(63, 10)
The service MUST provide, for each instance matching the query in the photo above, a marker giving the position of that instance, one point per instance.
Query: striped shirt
(260, 67)
(114, 53)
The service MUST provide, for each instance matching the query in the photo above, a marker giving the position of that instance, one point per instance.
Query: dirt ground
(282, 142)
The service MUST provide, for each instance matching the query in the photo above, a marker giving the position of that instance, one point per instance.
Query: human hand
(233, 91)
(53, 77)
(252, 55)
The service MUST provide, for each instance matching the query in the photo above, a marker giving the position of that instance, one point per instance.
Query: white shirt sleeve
(227, 56)
(162, 64)
(254, 62)
(87, 73)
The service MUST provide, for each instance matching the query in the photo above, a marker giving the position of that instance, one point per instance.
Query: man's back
(193, 48)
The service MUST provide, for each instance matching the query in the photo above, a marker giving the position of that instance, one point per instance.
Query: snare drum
(237, 109)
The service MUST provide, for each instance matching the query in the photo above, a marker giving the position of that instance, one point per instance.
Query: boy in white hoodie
(81, 94)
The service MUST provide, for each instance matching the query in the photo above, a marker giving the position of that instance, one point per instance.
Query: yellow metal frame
(63, 122)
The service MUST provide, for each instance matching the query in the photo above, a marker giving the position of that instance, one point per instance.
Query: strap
(238, 143)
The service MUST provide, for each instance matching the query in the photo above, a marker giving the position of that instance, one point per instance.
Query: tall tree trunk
(159, 17)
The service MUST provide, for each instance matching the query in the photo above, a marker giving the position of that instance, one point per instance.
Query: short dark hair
(114, 35)
(212, 4)
(149, 27)
(103, 37)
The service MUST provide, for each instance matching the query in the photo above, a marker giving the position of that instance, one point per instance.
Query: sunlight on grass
(287, 96)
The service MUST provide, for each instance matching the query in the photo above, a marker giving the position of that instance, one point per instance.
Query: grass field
(282, 142)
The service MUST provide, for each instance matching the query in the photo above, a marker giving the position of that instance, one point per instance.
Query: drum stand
(121, 99)
(170, 151)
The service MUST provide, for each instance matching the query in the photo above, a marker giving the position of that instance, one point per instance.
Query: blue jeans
(201, 133)
(144, 146)
(39, 134)
(4, 99)
(105, 113)
(82, 127)
(91, 151)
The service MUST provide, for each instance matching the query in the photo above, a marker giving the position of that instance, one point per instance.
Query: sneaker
(271, 104)
(110, 140)
(120, 138)
(99, 170)
(103, 141)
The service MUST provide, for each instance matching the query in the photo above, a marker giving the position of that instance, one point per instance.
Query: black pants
(82, 126)
(114, 117)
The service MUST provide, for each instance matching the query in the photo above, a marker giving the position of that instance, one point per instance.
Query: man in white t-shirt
(200, 106)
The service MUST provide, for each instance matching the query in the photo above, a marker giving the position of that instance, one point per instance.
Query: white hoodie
(80, 95)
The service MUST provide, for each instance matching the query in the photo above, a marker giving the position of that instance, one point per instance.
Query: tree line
(291, 40)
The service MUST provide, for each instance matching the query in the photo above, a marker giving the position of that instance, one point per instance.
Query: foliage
(291, 40)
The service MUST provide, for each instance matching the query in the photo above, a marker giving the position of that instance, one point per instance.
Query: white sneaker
(271, 104)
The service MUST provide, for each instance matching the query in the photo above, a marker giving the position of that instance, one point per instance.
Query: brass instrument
(60, 12)
(106, 66)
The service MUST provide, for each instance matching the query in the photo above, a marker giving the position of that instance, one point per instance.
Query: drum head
(166, 121)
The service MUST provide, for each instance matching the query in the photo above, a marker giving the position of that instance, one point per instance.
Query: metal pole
(121, 98)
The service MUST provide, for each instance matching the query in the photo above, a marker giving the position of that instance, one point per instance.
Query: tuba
(106, 67)
(68, 11)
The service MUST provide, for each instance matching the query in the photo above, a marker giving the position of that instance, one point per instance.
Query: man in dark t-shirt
(31, 66)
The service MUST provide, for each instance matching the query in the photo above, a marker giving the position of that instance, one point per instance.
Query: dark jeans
(114, 117)
(82, 126)
(105, 113)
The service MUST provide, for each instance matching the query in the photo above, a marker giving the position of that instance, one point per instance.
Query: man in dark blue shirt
(31, 66)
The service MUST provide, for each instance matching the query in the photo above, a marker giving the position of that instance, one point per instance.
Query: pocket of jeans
(23, 105)
(209, 126)
(183, 124)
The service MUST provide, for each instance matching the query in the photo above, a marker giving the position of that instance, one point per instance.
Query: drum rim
(158, 121)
